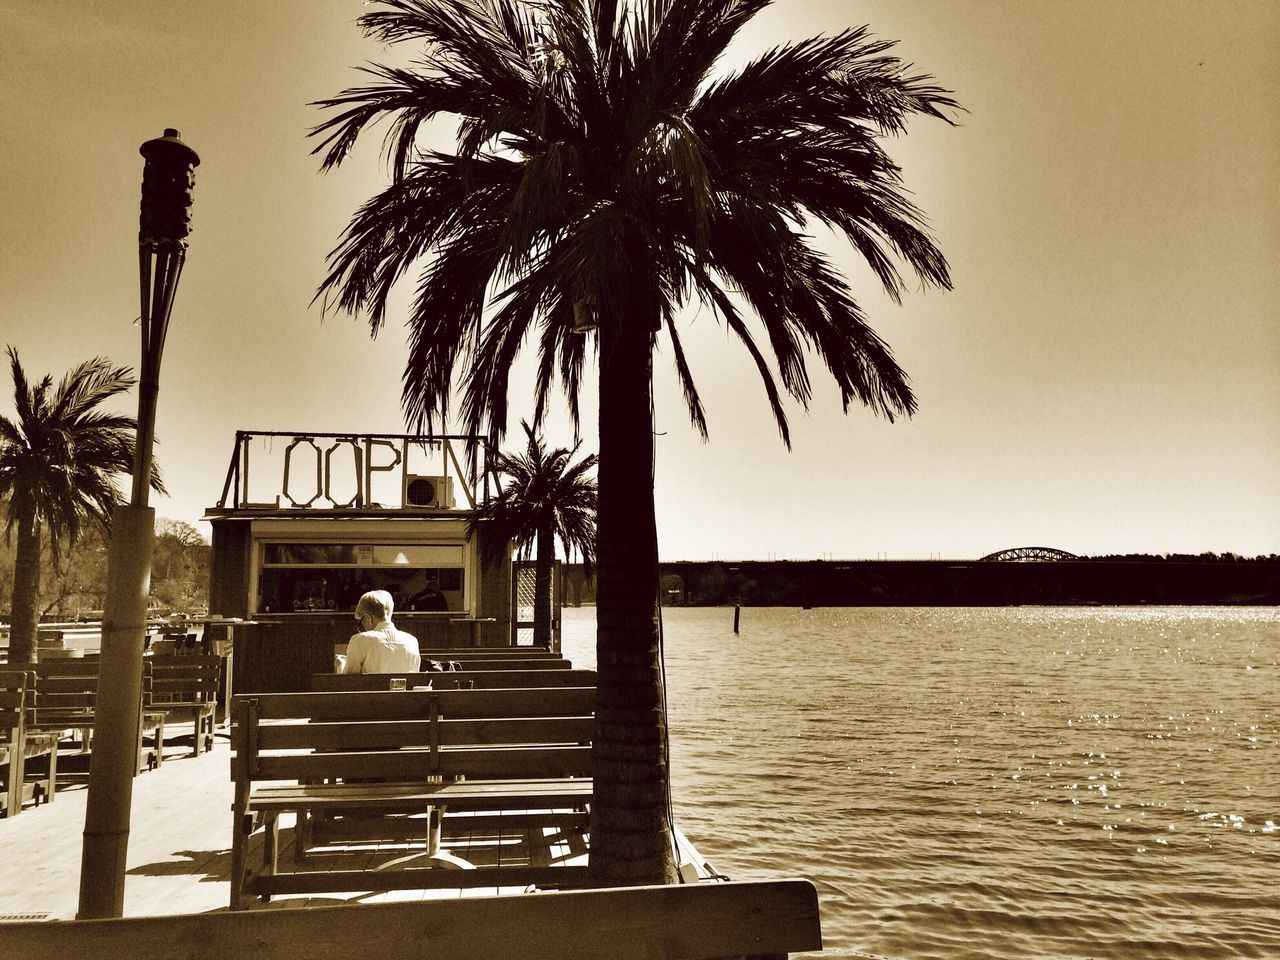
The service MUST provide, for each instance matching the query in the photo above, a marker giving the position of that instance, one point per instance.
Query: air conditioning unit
(420, 491)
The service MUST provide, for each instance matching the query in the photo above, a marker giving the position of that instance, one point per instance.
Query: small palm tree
(59, 458)
(546, 497)
(605, 177)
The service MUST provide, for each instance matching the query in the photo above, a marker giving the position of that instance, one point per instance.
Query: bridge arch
(1031, 553)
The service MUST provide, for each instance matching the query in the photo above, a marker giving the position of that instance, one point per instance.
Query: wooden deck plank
(179, 847)
(180, 823)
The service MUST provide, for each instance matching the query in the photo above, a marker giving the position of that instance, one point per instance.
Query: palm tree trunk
(630, 832)
(24, 618)
(542, 586)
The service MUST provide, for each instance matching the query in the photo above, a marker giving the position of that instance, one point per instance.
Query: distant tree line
(1119, 579)
(76, 585)
(1188, 557)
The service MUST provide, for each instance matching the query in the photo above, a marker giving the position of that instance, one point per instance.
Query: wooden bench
(443, 657)
(374, 754)
(452, 661)
(18, 744)
(683, 922)
(185, 685)
(499, 663)
(477, 679)
(477, 653)
(514, 658)
(496, 663)
(68, 698)
(433, 667)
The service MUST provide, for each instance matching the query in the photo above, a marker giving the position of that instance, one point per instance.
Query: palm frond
(484, 403)
(714, 295)
(860, 361)
(476, 66)
(681, 40)
(697, 416)
(556, 328)
(443, 201)
(87, 385)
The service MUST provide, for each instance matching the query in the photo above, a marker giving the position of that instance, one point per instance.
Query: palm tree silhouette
(603, 177)
(59, 458)
(546, 496)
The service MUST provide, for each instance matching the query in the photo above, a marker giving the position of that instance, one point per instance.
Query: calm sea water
(1021, 783)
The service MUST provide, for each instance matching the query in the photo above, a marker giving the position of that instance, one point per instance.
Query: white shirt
(384, 649)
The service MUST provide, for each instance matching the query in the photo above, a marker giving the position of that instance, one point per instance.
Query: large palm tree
(59, 457)
(603, 177)
(546, 497)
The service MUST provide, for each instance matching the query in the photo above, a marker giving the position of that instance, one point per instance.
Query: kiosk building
(307, 522)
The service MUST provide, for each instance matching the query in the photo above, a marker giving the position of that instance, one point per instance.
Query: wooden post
(119, 705)
(167, 179)
(737, 612)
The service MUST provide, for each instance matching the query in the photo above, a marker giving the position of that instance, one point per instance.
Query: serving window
(304, 577)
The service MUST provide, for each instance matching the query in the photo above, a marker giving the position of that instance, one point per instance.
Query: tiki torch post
(167, 178)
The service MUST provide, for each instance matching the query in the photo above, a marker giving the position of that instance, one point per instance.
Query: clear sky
(1105, 377)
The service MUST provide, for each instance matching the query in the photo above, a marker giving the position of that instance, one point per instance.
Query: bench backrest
(68, 691)
(183, 678)
(17, 700)
(527, 732)
(693, 921)
(478, 679)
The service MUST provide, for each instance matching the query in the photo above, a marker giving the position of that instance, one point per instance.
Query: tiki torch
(167, 179)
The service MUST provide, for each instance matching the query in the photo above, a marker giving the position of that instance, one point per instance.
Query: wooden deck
(179, 845)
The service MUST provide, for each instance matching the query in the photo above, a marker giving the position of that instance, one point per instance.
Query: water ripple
(1022, 783)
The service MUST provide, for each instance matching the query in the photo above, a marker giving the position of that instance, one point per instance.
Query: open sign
(319, 471)
(348, 463)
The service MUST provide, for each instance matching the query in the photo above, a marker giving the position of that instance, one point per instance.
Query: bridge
(1030, 553)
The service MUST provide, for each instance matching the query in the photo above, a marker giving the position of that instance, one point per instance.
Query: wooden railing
(685, 922)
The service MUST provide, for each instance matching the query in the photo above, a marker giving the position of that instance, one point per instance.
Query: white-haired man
(380, 647)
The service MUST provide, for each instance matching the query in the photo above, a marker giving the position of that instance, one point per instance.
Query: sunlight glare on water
(988, 782)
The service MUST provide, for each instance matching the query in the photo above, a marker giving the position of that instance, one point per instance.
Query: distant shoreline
(951, 583)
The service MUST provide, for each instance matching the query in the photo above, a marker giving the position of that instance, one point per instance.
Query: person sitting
(380, 647)
(429, 599)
